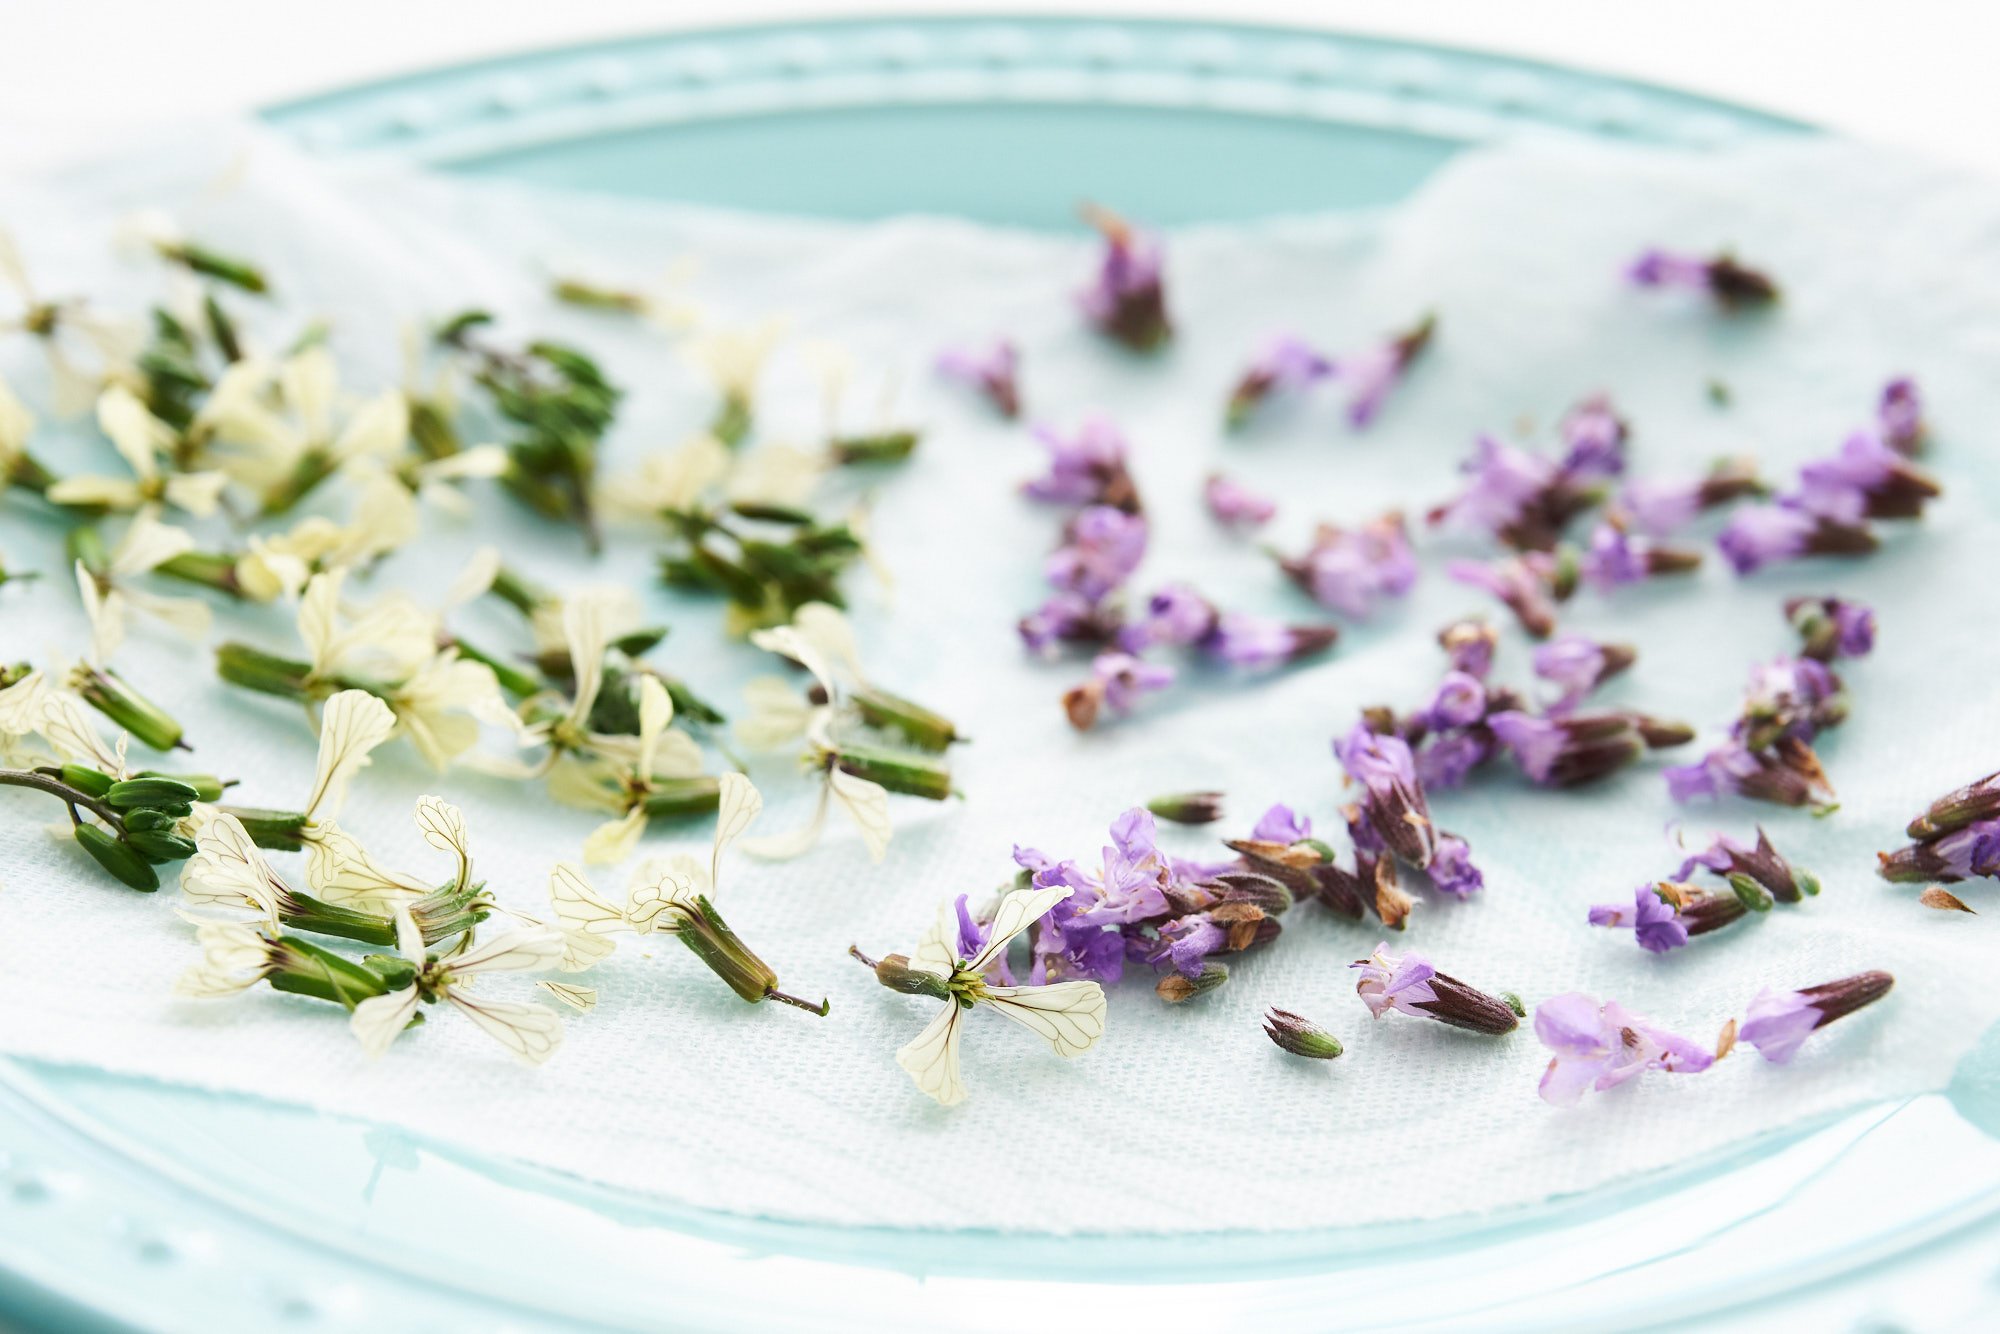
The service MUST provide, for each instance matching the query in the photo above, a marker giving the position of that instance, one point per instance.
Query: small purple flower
(1460, 701)
(1410, 984)
(1287, 363)
(1176, 616)
(1969, 852)
(1352, 570)
(1832, 628)
(1786, 774)
(1066, 618)
(1574, 749)
(1658, 508)
(1734, 286)
(1086, 468)
(970, 936)
(1866, 480)
(1371, 375)
(1395, 805)
(1235, 505)
(1900, 417)
(1128, 301)
(1517, 582)
(994, 372)
(1763, 865)
(1104, 547)
(1758, 535)
(1506, 483)
(1651, 918)
(1446, 761)
(1594, 436)
(1602, 1046)
(1451, 868)
(1241, 639)
(1778, 1022)
(1615, 558)
(1469, 643)
(1117, 681)
(1789, 697)
(1281, 824)
(1577, 665)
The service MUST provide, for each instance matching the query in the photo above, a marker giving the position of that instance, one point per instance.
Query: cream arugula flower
(669, 480)
(65, 328)
(234, 958)
(140, 439)
(108, 596)
(863, 800)
(383, 519)
(776, 475)
(659, 758)
(590, 620)
(21, 712)
(1069, 1016)
(17, 426)
(529, 1031)
(291, 451)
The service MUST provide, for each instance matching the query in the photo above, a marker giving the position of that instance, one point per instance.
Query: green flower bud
(1300, 1036)
(126, 866)
(167, 794)
(108, 693)
(207, 787)
(894, 972)
(1188, 807)
(911, 775)
(922, 727)
(267, 673)
(159, 844)
(1175, 988)
(886, 447)
(674, 798)
(87, 780)
(277, 830)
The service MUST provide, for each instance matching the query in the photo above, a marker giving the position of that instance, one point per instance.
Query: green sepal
(125, 864)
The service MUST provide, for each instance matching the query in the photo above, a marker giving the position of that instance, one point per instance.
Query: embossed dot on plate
(702, 64)
(1103, 47)
(1708, 131)
(1513, 90)
(510, 95)
(607, 78)
(1412, 74)
(1620, 113)
(802, 54)
(1310, 60)
(897, 47)
(28, 1188)
(1207, 51)
(998, 45)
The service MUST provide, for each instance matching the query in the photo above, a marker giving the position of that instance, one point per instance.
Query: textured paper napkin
(1183, 1118)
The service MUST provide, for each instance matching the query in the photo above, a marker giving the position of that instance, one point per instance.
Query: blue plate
(130, 1203)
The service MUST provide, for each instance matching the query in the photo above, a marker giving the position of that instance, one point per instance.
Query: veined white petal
(189, 616)
(662, 888)
(787, 642)
(675, 755)
(867, 804)
(377, 1020)
(319, 616)
(529, 1031)
(481, 568)
(1069, 1016)
(443, 826)
(777, 716)
(579, 906)
(783, 847)
(528, 950)
(351, 725)
(67, 726)
(738, 804)
(581, 999)
(147, 543)
(410, 939)
(340, 870)
(308, 381)
(137, 435)
(612, 842)
(937, 949)
(228, 872)
(478, 461)
(1018, 910)
(656, 710)
(197, 493)
(825, 627)
(932, 1056)
(378, 427)
(113, 493)
(582, 950)
(584, 633)
(107, 622)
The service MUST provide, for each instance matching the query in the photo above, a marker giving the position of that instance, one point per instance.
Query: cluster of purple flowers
(1769, 755)
(1829, 512)
(1288, 364)
(1600, 1046)
(1392, 823)
(1471, 719)
(1665, 914)
(1128, 300)
(1527, 502)
(1143, 907)
(1352, 570)
(1957, 838)
(1104, 542)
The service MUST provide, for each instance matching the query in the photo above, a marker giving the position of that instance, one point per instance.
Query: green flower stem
(512, 679)
(210, 569)
(432, 430)
(304, 969)
(911, 775)
(29, 474)
(879, 708)
(517, 592)
(280, 831)
(71, 796)
(589, 296)
(886, 447)
(672, 798)
(731, 424)
(313, 467)
(108, 693)
(84, 543)
(267, 673)
(214, 264)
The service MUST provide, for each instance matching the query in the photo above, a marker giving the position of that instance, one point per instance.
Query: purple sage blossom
(1602, 1046)
(1866, 480)
(1066, 618)
(1594, 437)
(1758, 535)
(1789, 697)
(1410, 984)
(1287, 364)
(1128, 301)
(1732, 285)
(1395, 805)
(1175, 616)
(1445, 762)
(1371, 375)
(1241, 639)
(1778, 1022)
(1661, 507)
(1786, 774)
(1616, 558)
(1469, 643)
(1352, 570)
(1235, 505)
(994, 372)
(1103, 547)
(1451, 868)
(1832, 628)
(1577, 665)
(1281, 824)
(1762, 864)
(1519, 583)
(1578, 748)
(1969, 852)
(1460, 701)
(1086, 468)
(1650, 917)
(1118, 681)
(1506, 482)
(1900, 417)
